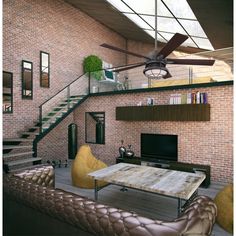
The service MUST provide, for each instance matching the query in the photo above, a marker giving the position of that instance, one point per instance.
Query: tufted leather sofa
(34, 189)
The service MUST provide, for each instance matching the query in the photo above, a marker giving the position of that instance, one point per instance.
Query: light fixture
(155, 70)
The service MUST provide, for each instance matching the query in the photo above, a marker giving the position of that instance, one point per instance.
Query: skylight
(172, 17)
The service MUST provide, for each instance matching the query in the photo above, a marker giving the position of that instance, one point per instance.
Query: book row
(189, 98)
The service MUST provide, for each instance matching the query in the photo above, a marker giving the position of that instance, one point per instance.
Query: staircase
(18, 152)
(59, 111)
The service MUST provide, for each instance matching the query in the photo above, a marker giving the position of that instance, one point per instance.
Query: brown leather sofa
(32, 206)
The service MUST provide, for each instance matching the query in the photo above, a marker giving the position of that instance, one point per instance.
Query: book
(171, 102)
(203, 98)
(193, 98)
(197, 97)
(183, 98)
(178, 98)
(189, 98)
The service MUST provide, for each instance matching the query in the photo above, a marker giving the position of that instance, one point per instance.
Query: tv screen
(159, 147)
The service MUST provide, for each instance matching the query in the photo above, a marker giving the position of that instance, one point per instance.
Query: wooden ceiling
(215, 17)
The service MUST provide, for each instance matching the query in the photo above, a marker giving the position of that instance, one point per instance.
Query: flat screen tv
(159, 147)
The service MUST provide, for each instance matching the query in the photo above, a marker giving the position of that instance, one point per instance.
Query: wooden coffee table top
(171, 183)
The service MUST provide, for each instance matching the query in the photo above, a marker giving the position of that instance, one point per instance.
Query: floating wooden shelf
(181, 112)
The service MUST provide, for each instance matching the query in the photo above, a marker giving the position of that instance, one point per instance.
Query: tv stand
(172, 165)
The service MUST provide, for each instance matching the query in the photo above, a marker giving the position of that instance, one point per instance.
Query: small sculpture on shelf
(129, 152)
(122, 149)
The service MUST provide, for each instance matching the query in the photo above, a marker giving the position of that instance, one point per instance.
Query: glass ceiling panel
(148, 7)
(193, 28)
(180, 9)
(120, 6)
(203, 43)
(137, 20)
(166, 21)
(145, 7)
(189, 43)
(159, 38)
(169, 25)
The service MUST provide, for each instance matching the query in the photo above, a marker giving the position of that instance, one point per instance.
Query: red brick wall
(69, 35)
(208, 143)
(54, 146)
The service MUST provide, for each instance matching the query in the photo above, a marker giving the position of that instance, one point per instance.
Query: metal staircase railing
(59, 104)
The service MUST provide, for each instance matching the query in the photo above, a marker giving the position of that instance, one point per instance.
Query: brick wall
(208, 143)
(69, 35)
(54, 146)
(66, 33)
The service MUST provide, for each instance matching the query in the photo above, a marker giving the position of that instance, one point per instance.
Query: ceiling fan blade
(203, 62)
(168, 75)
(127, 67)
(122, 50)
(173, 43)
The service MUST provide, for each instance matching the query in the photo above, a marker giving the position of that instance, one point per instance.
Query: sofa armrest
(43, 175)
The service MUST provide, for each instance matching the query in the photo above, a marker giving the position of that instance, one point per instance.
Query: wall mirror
(7, 92)
(95, 127)
(44, 69)
(27, 80)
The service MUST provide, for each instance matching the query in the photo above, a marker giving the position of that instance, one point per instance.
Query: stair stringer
(52, 126)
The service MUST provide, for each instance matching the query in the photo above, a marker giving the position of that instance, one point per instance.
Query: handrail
(62, 89)
(67, 87)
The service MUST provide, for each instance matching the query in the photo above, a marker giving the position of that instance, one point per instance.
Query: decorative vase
(122, 149)
(129, 152)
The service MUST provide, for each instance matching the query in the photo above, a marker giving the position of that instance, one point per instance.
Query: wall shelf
(180, 112)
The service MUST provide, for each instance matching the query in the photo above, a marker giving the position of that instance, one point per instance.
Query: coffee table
(176, 184)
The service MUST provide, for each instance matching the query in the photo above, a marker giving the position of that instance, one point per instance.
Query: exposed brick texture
(69, 35)
(208, 143)
(54, 146)
(66, 33)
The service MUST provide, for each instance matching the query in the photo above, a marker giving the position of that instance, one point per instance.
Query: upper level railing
(222, 70)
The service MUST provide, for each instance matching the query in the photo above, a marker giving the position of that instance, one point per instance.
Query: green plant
(93, 64)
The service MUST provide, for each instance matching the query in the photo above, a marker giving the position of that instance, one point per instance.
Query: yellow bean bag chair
(224, 203)
(84, 164)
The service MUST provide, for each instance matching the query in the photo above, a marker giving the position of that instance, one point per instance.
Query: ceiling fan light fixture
(155, 71)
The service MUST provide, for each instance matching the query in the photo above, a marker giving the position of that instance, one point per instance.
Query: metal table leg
(179, 206)
(95, 190)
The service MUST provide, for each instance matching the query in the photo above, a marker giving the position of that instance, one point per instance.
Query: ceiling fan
(155, 64)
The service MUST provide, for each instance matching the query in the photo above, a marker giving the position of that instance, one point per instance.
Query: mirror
(95, 127)
(27, 80)
(44, 69)
(7, 92)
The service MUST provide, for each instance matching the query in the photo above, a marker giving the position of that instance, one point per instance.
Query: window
(27, 80)
(7, 92)
(44, 70)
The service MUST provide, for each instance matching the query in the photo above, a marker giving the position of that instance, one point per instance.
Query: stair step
(6, 147)
(71, 102)
(23, 161)
(17, 154)
(18, 140)
(73, 98)
(55, 116)
(57, 109)
(34, 127)
(77, 96)
(29, 133)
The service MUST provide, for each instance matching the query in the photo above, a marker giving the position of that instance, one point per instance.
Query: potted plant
(93, 64)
